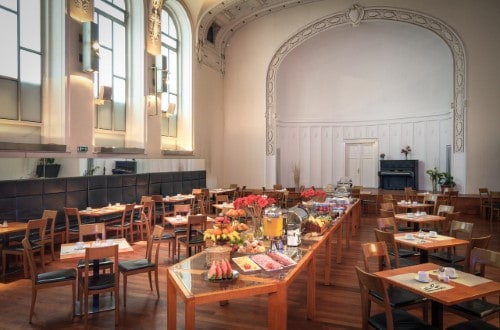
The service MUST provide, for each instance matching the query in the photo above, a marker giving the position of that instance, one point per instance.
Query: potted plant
(46, 168)
(435, 176)
(382, 156)
(446, 181)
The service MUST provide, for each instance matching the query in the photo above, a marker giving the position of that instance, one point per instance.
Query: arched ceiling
(219, 20)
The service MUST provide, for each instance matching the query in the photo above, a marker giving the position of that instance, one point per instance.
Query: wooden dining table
(187, 279)
(427, 243)
(418, 219)
(98, 213)
(465, 287)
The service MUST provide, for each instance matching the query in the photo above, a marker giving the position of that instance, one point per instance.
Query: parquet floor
(338, 304)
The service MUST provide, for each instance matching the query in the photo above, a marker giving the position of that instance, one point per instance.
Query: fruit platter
(273, 261)
(221, 271)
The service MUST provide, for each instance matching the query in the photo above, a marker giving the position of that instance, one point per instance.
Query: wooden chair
(494, 205)
(73, 222)
(392, 247)
(101, 283)
(219, 199)
(410, 194)
(51, 216)
(431, 199)
(480, 308)
(484, 202)
(387, 210)
(398, 297)
(475, 242)
(60, 277)
(160, 211)
(125, 225)
(389, 224)
(390, 318)
(387, 198)
(372, 200)
(35, 228)
(146, 265)
(458, 229)
(193, 238)
(145, 215)
(182, 209)
(443, 209)
(95, 231)
(355, 191)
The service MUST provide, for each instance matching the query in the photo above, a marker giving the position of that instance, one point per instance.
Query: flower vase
(434, 186)
(257, 227)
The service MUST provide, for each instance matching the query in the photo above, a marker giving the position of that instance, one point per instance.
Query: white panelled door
(361, 163)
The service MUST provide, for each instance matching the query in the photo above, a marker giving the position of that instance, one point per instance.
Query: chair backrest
(372, 283)
(277, 187)
(28, 253)
(148, 209)
(475, 242)
(461, 229)
(97, 230)
(387, 224)
(388, 238)
(443, 209)
(376, 250)
(146, 199)
(182, 209)
(196, 224)
(71, 214)
(410, 194)
(483, 193)
(386, 198)
(219, 198)
(102, 252)
(51, 216)
(355, 191)
(128, 213)
(36, 229)
(482, 258)
(157, 232)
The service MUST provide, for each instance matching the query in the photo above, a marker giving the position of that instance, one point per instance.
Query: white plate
(416, 277)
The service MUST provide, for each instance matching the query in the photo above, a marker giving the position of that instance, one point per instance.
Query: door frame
(375, 144)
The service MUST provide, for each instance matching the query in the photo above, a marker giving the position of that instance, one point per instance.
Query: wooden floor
(338, 304)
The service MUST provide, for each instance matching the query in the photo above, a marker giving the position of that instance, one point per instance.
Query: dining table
(188, 280)
(426, 242)
(182, 221)
(179, 198)
(412, 206)
(72, 251)
(418, 218)
(98, 213)
(462, 288)
(223, 206)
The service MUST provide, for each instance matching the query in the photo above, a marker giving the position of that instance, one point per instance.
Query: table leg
(328, 258)
(277, 308)
(339, 243)
(95, 298)
(311, 288)
(171, 304)
(437, 314)
(424, 256)
(189, 315)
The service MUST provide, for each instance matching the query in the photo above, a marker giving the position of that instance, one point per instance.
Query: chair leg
(52, 249)
(4, 264)
(124, 290)
(156, 282)
(73, 295)
(33, 299)
(150, 282)
(117, 304)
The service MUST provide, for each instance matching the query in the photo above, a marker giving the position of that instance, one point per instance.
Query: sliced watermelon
(218, 271)
(223, 267)
(229, 273)
(212, 272)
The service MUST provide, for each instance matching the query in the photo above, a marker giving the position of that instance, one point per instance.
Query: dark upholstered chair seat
(399, 297)
(55, 276)
(118, 225)
(477, 308)
(102, 281)
(130, 265)
(198, 239)
(165, 236)
(402, 320)
(473, 325)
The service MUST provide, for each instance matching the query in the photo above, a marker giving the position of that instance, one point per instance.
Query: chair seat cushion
(102, 263)
(399, 297)
(477, 308)
(165, 236)
(193, 240)
(402, 321)
(129, 265)
(473, 325)
(103, 281)
(119, 225)
(56, 276)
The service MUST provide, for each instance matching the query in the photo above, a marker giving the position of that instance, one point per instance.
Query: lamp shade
(81, 10)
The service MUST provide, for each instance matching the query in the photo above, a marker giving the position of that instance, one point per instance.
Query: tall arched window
(176, 126)
(111, 17)
(21, 64)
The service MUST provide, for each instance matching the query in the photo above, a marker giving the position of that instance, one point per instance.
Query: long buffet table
(188, 278)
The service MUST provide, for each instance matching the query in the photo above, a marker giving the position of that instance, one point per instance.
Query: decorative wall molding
(355, 16)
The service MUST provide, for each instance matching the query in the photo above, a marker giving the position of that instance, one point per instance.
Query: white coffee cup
(450, 272)
(79, 245)
(89, 208)
(178, 217)
(423, 276)
(109, 242)
(433, 233)
(409, 236)
(117, 204)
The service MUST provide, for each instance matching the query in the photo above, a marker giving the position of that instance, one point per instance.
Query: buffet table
(188, 279)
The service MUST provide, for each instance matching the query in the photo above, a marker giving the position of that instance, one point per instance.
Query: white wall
(251, 49)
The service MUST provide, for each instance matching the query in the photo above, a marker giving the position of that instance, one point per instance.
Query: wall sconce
(81, 10)
(105, 93)
(160, 81)
(90, 47)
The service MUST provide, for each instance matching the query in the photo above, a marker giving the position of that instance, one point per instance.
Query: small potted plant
(382, 156)
(46, 168)
(446, 181)
(405, 151)
(435, 176)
